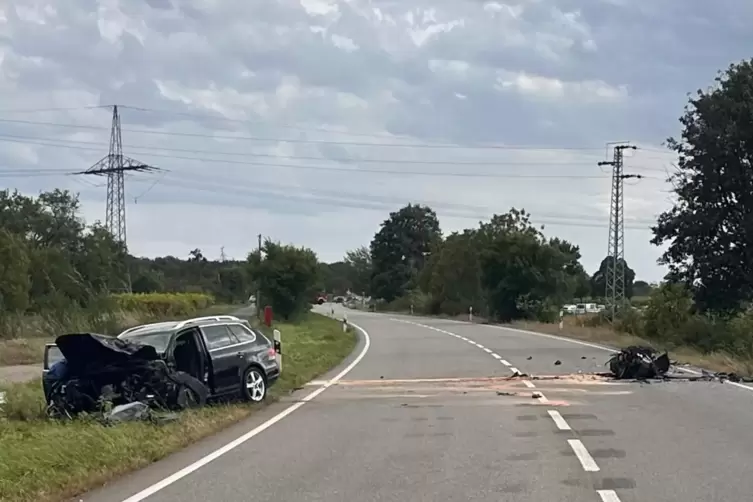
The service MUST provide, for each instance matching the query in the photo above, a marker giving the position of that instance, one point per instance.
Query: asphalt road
(427, 415)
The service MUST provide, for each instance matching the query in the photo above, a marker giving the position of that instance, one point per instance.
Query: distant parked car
(223, 352)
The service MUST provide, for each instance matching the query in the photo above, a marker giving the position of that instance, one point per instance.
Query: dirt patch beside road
(20, 373)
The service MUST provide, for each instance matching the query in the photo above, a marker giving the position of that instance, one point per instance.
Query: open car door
(52, 355)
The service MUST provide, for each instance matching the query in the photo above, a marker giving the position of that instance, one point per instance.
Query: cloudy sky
(289, 118)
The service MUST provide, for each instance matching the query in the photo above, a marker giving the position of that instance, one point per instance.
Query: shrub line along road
(416, 417)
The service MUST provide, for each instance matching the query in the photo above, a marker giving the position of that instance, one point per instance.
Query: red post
(268, 315)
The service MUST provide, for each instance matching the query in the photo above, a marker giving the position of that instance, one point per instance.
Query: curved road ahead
(420, 417)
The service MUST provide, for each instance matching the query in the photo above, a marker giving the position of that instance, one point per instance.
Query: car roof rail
(185, 323)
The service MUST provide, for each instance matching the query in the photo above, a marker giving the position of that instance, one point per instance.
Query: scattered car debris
(529, 358)
(583, 357)
(105, 373)
(557, 362)
(536, 395)
(502, 393)
(638, 362)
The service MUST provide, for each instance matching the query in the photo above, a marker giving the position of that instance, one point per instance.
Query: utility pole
(615, 273)
(114, 165)
(258, 286)
(222, 254)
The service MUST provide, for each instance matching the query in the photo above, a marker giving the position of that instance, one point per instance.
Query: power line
(58, 109)
(64, 143)
(310, 141)
(358, 202)
(396, 172)
(34, 139)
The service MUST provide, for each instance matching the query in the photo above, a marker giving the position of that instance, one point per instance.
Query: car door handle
(241, 355)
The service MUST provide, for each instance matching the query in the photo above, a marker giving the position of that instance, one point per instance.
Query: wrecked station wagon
(223, 353)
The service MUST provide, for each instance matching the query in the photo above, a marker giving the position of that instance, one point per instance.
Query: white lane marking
(586, 460)
(151, 490)
(543, 399)
(608, 496)
(736, 384)
(577, 342)
(559, 421)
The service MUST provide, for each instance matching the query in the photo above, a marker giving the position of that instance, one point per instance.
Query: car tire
(189, 392)
(254, 385)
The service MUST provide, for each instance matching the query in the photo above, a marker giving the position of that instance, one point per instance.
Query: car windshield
(157, 339)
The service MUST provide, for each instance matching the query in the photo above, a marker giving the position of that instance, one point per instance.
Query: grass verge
(46, 461)
(30, 349)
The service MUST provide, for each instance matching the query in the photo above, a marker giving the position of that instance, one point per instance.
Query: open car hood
(83, 350)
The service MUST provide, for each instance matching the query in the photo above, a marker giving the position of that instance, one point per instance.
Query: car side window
(217, 337)
(242, 333)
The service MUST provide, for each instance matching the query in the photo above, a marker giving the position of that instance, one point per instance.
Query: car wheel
(254, 385)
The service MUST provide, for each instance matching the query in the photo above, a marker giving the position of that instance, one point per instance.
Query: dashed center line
(559, 421)
(608, 496)
(586, 460)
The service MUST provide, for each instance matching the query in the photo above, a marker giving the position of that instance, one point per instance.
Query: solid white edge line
(586, 460)
(151, 490)
(608, 496)
(559, 421)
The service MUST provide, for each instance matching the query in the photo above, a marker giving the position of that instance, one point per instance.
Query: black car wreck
(172, 365)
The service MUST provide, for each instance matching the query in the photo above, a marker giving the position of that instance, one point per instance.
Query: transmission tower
(114, 165)
(615, 273)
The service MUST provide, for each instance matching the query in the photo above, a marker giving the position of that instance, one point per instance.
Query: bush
(163, 305)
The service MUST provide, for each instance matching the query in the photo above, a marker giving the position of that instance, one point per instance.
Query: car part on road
(637, 362)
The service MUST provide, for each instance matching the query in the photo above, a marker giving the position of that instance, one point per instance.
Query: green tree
(400, 249)
(234, 286)
(453, 275)
(642, 288)
(599, 279)
(335, 278)
(523, 273)
(15, 283)
(710, 227)
(286, 276)
(359, 269)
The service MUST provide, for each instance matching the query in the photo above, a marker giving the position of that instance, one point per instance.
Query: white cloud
(271, 107)
(552, 88)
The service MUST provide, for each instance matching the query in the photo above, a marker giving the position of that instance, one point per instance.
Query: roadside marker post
(562, 315)
(470, 314)
(278, 347)
(345, 322)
